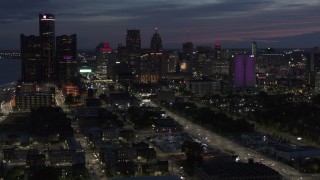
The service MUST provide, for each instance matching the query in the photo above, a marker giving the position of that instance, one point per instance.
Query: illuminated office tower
(172, 61)
(133, 41)
(203, 61)
(316, 81)
(217, 51)
(313, 68)
(31, 62)
(133, 46)
(150, 67)
(254, 49)
(47, 36)
(314, 64)
(244, 71)
(156, 42)
(30, 96)
(187, 48)
(122, 53)
(66, 55)
(221, 67)
(105, 61)
(156, 60)
(186, 58)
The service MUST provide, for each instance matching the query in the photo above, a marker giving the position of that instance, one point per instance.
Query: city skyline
(288, 24)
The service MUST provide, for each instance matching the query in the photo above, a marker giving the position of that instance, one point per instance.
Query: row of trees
(216, 121)
(299, 119)
(49, 120)
(193, 151)
(142, 118)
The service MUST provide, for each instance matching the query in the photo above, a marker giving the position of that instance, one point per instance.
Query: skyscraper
(133, 41)
(254, 49)
(172, 61)
(133, 46)
(156, 42)
(313, 68)
(187, 48)
(122, 53)
(203, 61)
(66, 56)
(217, 51)
(105, 60)
(244, 71)
(47, 36)
(150, 67)
(31, 62)
(314, 64)
(187, 58)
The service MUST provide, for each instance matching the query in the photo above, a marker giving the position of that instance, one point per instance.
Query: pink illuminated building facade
(66, 55)
(105, 61)
(244, 71)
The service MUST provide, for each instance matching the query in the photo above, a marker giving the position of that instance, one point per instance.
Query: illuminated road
(95, 167)
(92, 162)
(228, 146)
(6, 96)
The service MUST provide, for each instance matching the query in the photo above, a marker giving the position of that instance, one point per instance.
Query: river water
(10, 70)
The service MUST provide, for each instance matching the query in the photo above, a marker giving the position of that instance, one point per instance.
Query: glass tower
(66, 56)
(47, 36)
(133, 41)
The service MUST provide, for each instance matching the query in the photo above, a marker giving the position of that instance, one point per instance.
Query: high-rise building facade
(105, 61)
(156, 42)
(314, 64)
(122, 53)
(187, 48)
(47, 36)
(33, 95)
(217, 51)
(316, 81)
(133, 41)
(172, 61)
(254, 49)
(31, 62)
(203, 61)
(244, 71)
(187, 58)
(66, 55)
(150, 70)
(313, 68)
(133, 46)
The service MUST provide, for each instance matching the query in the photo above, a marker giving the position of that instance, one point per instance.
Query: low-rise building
(66, 157)
(36, 160)
(294, 153)
(224, 168)
(120, 100)
(202, 87)
(31, 95)
(127, 135)
(88, 112)
(166, 126)
(92, 102)
(166, 96)
(73, 90)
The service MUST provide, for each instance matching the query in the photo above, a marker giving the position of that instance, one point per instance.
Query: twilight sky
(234, 23)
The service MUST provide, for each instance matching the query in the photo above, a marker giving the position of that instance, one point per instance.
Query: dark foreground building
(220, 168)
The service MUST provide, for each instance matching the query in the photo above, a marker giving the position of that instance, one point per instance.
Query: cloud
(205, 20)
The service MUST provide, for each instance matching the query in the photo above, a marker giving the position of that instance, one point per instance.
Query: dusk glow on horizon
(160, 89)
(291, 23)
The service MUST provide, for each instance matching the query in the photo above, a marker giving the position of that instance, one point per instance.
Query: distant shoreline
(10, 70)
